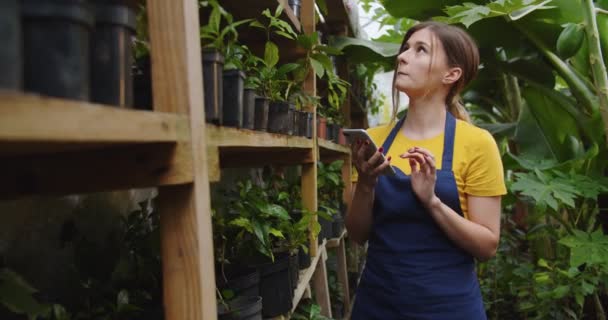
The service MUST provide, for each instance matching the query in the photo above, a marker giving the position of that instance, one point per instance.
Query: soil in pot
(280, 117)
(232, 104)
(56, 40)
(248, 109)
(275, 286)
(213, 65)
(261, 114)
(11, 66)
(111, 56)
(241, 308)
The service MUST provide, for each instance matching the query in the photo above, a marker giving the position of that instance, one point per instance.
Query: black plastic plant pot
(242, 281)
(275, 287)
(248, 109)
(337, 225)
(326, 228)
(213, 65)
(280, 117)
(261, 114)
(302, 122)
(142, 83)
(337, 310)
(309, 125)
(294, 270)
(295, 6)
(303, 259)
(11, 66)
(233, 88)
(111, 54)
(335, 133)
(56, 42)
(330, 132)
(242, 308)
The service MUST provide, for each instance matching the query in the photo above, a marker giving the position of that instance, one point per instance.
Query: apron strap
(448, 140)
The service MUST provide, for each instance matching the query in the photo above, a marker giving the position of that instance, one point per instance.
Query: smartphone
(359, 134)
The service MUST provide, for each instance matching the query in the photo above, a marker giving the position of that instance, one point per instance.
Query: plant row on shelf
(245, 90)
(261, 239)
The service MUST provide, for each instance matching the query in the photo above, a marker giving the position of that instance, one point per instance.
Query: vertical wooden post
(319, 279)
(309, 171)
(343, 272)
(187, 246)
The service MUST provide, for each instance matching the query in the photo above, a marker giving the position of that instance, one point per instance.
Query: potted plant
(273, 80)
(217, 40)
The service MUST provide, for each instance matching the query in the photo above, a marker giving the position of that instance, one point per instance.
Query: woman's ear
(452, 75)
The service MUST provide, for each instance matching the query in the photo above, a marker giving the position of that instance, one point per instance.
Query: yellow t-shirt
(476, 164)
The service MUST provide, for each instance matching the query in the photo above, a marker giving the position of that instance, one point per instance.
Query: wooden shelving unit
(57, 146)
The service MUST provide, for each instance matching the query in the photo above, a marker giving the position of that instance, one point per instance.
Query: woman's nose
(402, 57)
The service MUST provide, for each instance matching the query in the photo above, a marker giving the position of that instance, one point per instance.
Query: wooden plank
(329, 151)
(135, 166)
(347, 178)
(31, 124)
(213, 164)
(304, 280)
(335, 242)
(309, 171)
(320, 286)
(257, 157)
(234, 138)
(186, 233)
(343, 272)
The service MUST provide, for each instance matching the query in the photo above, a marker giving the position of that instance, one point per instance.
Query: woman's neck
(425, 117)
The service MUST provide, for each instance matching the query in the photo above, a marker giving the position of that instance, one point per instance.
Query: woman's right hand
(368, 167)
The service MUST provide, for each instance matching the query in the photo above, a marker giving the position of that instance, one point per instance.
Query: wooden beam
(187, 242)
(247, 139)
(309, 171)
(304, 280)
(258, 157)
(343, 272)
(31, 124)
(134, 166)
(320, 285)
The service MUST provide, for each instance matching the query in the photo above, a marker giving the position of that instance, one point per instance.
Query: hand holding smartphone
(359, 134)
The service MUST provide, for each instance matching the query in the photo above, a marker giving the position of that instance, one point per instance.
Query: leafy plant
(330, 185)
(308, 311)
(222, 37)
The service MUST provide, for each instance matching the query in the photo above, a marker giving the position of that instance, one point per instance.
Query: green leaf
(276, 211)
(122, 298)
(560, 291)
(257, 24)
(271, 54)
(317, 67)
(277, 233)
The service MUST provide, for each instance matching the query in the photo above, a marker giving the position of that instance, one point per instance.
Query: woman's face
(414, 77)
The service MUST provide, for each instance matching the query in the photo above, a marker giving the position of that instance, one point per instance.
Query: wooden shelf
(32, 124)
(250, 148)
(330, 151)
(58, 146)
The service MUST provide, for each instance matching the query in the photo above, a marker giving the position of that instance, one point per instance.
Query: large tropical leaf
(419, 10)
(468, 13)
(361, 50)
(544, 129)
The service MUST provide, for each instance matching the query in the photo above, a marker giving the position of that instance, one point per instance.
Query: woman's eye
(421, 49)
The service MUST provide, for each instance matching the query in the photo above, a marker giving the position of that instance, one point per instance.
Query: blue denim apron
(413, 270)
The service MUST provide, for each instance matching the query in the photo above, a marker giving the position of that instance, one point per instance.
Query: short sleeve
(484, 175)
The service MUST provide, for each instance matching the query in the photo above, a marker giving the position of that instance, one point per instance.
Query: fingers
(379, 169)
(423, 158)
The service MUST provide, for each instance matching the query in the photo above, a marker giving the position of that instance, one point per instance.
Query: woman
(425, 226)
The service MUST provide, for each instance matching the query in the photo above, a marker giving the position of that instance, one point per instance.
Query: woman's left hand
(424, 173)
